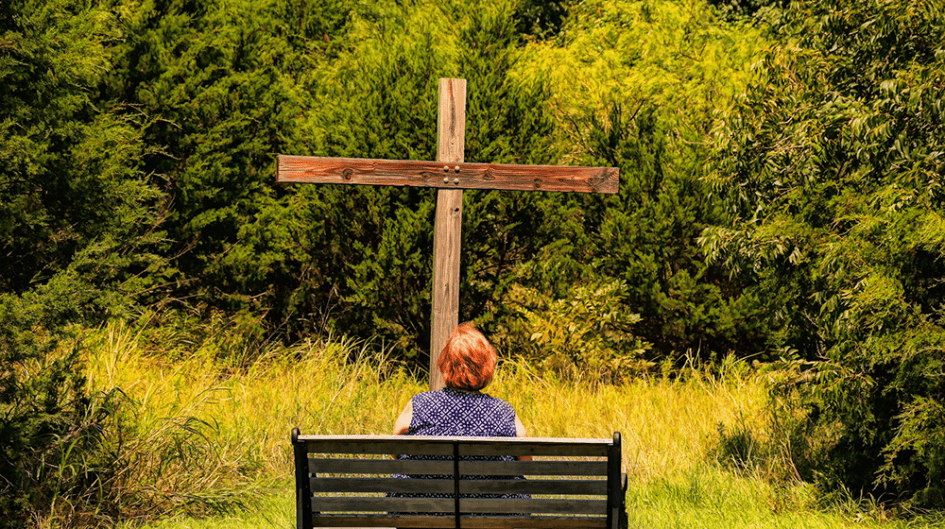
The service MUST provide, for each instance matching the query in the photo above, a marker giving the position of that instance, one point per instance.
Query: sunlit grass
(665, 425)
(243, 419)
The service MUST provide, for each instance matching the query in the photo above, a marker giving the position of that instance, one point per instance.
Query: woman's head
(468, 359)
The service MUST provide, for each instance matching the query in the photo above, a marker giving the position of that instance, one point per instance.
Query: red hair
(468, 360)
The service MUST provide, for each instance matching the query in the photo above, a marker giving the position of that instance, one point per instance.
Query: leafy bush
(832, 165)
(586, 336)
(634, 85)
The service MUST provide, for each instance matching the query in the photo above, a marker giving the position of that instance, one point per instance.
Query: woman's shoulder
(423, 397)
(458, 397)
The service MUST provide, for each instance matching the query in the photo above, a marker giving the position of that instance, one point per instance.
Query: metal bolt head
(446, 180)
(446, 168)
(456, 168)
(456, 180)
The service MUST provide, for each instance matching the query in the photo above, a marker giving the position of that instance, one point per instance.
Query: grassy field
(211, 441)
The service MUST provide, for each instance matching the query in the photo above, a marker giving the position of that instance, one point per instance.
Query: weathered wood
(371, 504)
(533, 449)
(378, 445)
(450, 149)
(585, 487)
(353, 499)
(515, 506)
(478, 522)
(413, 486)
(466, 468)
(352, 505)
(449, 175)
(418, 522)
(478, 446)
(437, 174)
(378, 466)
(532, 468)
(421, 440)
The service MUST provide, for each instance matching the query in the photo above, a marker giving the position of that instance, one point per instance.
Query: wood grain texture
(378, 445)
(450, 149)
(372, 504)
(451, 121)
(373, 484)
(533, 468)
(478, 522)
(466, 468)
(584, 487)
(512, 177)
(445, 505)
(313, 441)
(447, 238)
(433, 445)
(378, 466)
(580, 495)
(514, 506)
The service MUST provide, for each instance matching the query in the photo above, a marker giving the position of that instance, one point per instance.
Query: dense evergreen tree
(79, 229)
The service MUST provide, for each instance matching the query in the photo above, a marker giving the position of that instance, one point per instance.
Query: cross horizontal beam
(451, 175)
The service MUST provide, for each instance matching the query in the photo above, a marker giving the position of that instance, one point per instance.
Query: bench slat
(447, 522)
(469, 505)
(534, 486)
(415, 486)
(500, 446)
(444, 486)
(468, 468)
(449, 440)
(356, 476)
(533, 449)
(361, 504)
(379, 466)
(338, 446)
(533, 468)
(501, 505)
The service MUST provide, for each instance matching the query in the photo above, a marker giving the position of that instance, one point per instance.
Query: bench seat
(346, 481)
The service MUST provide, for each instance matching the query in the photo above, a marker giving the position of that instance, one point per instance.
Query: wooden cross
(450, 175)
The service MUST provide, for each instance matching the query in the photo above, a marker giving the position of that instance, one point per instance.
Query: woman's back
(461, 413)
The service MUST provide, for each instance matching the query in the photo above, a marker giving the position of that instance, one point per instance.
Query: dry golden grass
(666, 425)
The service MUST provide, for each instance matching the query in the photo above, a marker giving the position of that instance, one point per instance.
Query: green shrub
(586, 336)
(831, 164)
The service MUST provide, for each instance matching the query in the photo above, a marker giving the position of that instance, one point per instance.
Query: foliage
(584, 337)
(221, 84)
(831, 165)
(634, 85)
(79, 225)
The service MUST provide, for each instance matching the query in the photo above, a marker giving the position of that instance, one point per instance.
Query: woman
(461, 409)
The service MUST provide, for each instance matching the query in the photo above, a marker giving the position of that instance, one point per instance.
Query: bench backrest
(345, 481)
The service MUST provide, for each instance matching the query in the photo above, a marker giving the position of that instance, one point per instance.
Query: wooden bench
(343, 481)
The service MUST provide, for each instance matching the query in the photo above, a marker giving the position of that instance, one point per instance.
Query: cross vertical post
(451, 144)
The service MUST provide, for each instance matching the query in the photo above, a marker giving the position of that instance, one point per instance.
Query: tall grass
(200, 436)
(666, 425)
